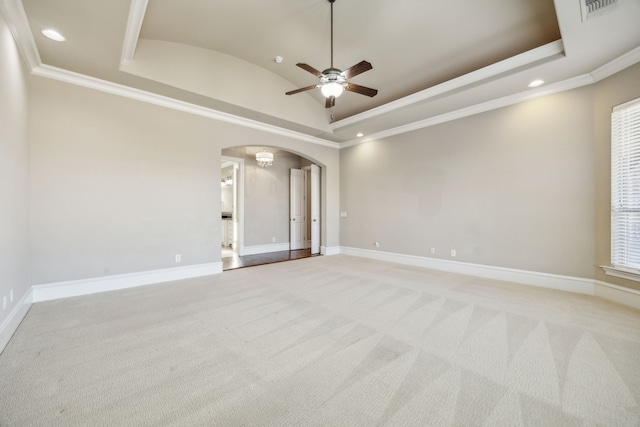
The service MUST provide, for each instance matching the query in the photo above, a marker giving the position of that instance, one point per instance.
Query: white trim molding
(11, 323)
(330, 250)
(565, 85)
(16, 17)
(19, 25)
(134, 25)
(265, 249)
(82, 80)
(618, 64)
(524, 277)
(621, 273)
(532, 56)
(618, 294)
(51, 291)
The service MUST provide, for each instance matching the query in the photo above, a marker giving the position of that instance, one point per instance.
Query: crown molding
(573, 83)
(618, 64)
(134, 25)
(18, 23)
(19, 26)
(612, 67)
(163, 101)
(532, 56)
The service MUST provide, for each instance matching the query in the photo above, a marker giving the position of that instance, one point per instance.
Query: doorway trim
(297, 209)
(313, 197)
(238, 196)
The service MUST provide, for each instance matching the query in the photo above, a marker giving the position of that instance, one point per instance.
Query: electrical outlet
(4, 302)
(178, 258)
(376, 244)
(273, 240)
(343, 214)
(453, 252)
(433, 251)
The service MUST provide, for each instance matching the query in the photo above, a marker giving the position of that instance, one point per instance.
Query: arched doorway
(261, 211)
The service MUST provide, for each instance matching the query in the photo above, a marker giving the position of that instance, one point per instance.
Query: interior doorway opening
(260, 217)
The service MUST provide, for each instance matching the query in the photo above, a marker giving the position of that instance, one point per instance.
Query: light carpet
(325, 341)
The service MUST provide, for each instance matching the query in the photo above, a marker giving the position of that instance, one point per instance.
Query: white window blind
(625, 185)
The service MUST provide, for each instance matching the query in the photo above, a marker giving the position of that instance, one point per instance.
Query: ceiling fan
(334, 81)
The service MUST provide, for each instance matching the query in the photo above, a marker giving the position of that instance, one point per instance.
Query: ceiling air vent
(593, 8)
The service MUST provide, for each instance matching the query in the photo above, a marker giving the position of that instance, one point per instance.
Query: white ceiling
(431, 60)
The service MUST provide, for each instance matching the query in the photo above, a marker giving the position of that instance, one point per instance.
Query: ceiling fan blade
(357, 69)
(302, 89)
(310, 69)
(330, 102)
(362, 90)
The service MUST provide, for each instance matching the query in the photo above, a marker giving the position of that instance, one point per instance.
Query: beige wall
(526, 187)
(121, 186)
(14, 173)
(118, 186)
(617, 89)
(510, 188)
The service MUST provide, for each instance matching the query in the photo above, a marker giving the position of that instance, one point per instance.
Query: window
(625, 186)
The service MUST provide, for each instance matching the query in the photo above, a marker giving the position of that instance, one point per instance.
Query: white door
(315, 209)
(297, 207)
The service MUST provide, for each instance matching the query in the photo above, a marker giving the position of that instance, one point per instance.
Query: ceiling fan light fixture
(332, 89)
(333, 81)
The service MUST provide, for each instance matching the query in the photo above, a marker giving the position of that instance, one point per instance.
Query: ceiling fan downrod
(332, 2)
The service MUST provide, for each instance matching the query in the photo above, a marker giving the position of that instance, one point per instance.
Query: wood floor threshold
(235, 261)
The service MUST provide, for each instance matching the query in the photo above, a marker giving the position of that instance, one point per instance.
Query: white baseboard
(621, 295)
(265, 249)
(608, 291)
(11, 323)
(51, 291)
(45, 292)
(532, 278)
(331, 250)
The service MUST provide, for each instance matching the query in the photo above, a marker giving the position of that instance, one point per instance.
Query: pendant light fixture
(264, 158)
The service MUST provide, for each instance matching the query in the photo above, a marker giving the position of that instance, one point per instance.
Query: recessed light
(360, 134)
(536, 83)
(53, 35)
